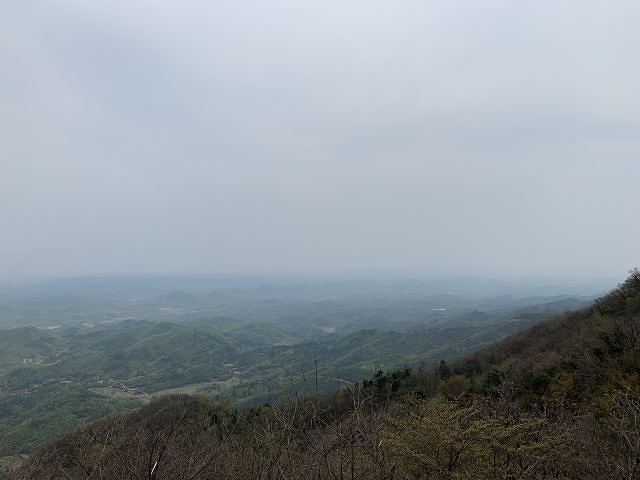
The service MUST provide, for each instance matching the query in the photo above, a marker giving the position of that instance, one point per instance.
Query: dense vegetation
(559, 400)
(286, 342)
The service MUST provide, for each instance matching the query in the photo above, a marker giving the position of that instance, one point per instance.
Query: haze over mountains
(280, 240)
(79, 349)
(557, 400)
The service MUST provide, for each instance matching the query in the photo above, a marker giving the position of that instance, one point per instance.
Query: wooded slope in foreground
(560, 400)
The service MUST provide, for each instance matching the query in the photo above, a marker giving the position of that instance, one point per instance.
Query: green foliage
(37, 417)
(266, 355)
(19, 346)
(550, 408)
(152, 357)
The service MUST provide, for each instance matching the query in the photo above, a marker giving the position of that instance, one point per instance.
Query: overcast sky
(490, 137)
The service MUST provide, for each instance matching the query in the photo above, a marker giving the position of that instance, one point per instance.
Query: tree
(454, 387)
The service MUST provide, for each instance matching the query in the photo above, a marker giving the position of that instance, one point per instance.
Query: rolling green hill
(558, 400)
(27, 345)
(316, 343)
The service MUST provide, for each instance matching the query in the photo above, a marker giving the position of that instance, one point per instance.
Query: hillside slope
(559, 400)
(129, 362)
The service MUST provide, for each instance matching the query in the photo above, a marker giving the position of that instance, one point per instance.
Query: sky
(451, 136)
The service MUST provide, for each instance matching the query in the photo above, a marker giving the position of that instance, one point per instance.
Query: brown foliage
(454, 387)
(560, 400)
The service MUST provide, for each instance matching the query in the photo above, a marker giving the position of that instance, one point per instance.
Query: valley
(248, 344)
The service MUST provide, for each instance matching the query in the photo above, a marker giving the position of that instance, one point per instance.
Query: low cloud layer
(496, 137)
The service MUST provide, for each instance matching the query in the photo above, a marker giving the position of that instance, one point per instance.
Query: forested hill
(559, 400)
